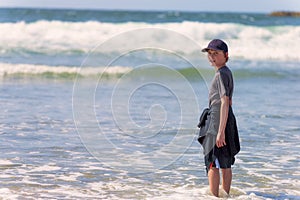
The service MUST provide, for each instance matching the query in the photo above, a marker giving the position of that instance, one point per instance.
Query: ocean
(100, 104)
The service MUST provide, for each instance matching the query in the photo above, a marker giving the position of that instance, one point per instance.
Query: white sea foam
(122, 186)
(5, 162)
(6, 193)
(69, 177)
(247, 42)
(45, 168)
(11, 69)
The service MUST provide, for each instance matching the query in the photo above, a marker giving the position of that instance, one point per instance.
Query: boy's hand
(220, 141)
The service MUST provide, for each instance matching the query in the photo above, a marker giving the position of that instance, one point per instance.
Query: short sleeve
(223, 85)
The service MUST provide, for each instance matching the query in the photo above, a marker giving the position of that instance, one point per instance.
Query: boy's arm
(220, 141)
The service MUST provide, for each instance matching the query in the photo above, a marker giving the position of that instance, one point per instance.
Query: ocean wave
(245, 42)
(28, 70)
(8, 70)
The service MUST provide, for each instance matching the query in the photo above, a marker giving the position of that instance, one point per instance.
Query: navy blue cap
(216, 44)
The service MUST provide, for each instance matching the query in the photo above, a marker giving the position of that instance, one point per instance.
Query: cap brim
(206, 49)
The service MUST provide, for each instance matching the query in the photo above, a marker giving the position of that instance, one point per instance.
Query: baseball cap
(216, 44)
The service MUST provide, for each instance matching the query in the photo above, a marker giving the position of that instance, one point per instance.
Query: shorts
(221, 161)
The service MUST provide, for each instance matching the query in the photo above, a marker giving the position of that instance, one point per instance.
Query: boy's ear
(226, 54)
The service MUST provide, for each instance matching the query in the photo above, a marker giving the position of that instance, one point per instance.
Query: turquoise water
(119, 16)
(104, 104)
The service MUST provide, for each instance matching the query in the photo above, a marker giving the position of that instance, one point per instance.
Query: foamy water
(27, 70)
(45, 158)
(247, 42)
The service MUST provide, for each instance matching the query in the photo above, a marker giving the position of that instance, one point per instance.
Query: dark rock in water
(285, 14)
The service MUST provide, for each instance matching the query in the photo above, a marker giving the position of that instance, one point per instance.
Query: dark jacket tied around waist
(209, 130)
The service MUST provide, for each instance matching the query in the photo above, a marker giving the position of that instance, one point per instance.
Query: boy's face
(217, 58)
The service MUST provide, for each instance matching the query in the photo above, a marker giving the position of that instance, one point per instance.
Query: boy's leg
(214, 181)
(226, 179)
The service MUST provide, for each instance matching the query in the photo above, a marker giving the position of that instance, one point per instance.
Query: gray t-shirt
(222, 85)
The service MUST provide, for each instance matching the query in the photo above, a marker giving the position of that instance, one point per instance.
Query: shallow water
(44, 156)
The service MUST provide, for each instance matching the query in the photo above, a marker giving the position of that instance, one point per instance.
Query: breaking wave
(65, 38)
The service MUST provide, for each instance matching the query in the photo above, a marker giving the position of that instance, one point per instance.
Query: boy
(222, 124)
